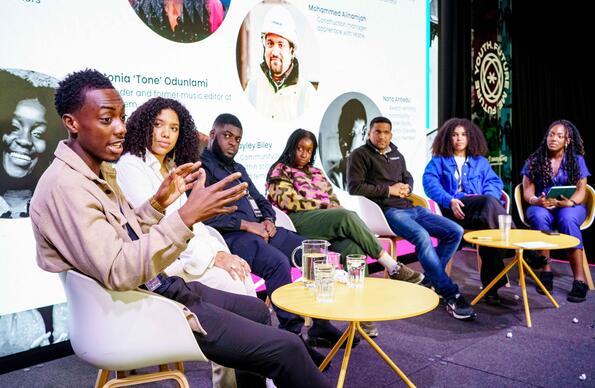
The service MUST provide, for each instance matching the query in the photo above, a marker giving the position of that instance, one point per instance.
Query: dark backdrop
(552, 75)
(552, 78)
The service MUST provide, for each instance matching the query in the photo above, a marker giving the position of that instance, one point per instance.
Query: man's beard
(220, 155)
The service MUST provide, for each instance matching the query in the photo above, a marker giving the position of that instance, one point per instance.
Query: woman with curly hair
(160, 136)
(460, 179)
(559, 161)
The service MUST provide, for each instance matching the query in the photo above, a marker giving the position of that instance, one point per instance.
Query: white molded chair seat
(283, 220)
(374, 218)
(124, 330)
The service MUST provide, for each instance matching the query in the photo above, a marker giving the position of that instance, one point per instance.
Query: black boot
(547, 279)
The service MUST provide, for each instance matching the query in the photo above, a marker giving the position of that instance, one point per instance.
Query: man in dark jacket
(250, 232)
(377, 171)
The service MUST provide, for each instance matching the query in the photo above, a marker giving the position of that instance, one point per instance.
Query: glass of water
(324, 281)
(504, 224)
(356, 270)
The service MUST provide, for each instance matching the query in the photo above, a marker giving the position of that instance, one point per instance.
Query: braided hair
(539, 168)
(288, 155)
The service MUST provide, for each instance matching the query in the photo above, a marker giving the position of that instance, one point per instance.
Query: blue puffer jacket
(440, 183)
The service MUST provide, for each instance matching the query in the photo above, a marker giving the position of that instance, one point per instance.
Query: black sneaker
(578, 293)
(492, 299)
(326, 336)
(458, 307)
(547, 279)
(534, 260)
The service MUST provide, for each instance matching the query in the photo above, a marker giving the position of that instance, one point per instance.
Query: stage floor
(435, 350)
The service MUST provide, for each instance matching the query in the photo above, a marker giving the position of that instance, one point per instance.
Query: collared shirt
(139, 179)
(79, 221)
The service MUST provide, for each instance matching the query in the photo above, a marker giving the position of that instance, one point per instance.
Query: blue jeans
(416, 225)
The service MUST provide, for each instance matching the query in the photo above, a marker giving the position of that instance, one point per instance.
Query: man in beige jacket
(82, 221)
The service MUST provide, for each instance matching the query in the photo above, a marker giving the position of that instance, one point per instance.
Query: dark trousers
(481, 212)
(271, 261)
(239, 336)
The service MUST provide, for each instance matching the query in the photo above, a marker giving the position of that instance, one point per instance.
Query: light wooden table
(491, 238)
(378, 300)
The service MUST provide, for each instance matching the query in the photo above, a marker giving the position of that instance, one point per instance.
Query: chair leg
(448, 268)
(150, 377)
(102, 376)
(587, 271)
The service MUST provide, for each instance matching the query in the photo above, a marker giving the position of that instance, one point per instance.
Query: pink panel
(259, 282)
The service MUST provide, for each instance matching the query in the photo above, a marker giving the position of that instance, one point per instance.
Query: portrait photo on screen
(33, 328)
(183, 21)
(30, 131)
(343, 128)
(278, 60)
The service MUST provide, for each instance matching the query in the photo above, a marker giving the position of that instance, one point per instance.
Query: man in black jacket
(250, 231)
(377, 171)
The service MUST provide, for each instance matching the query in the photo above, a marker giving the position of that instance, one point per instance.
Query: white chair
(590, 205)
(283, 220)
(374, 218)
(125, 330)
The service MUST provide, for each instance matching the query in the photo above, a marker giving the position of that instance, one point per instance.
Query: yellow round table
(519, 240)
(378, 300)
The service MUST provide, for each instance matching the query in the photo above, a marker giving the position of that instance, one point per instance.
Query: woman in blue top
(460, 179)
(559, 162)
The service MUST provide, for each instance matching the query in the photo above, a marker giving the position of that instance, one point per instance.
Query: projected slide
(323, 65)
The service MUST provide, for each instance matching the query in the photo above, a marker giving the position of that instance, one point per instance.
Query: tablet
(557, 191)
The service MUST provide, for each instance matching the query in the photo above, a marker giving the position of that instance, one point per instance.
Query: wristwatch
(156, 205)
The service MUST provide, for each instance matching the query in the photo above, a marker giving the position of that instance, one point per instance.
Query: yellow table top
(519, 236)
(378, 300)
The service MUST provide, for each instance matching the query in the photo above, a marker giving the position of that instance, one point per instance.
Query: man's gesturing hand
(206, 202)
(176, 183)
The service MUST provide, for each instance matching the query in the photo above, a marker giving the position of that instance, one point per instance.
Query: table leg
(538, 282)
(343, 371)
(384, 356)
(334, 350)
(524, 291)
(493, 282)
